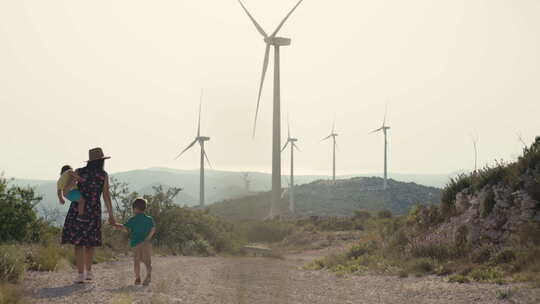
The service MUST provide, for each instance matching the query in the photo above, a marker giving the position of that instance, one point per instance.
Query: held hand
(112, 221)
(62, 201)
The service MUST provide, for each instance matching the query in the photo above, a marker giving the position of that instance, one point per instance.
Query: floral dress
(86, 233)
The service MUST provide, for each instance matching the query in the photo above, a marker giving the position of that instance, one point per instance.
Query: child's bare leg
(137, 269)
(81, 206)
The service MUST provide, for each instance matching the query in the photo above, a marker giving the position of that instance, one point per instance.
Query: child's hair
(65, 168)
(139, 203)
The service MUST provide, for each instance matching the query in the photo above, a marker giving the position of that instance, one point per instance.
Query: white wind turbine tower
(292, 141)
(333, 135)
(276, 42)
(384, 128)
(474, 138)
(200, 139)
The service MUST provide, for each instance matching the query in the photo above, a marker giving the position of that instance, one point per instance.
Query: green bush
(360, 249)
(12, 264)
(487, 274)
(385, 213)
(454, 186)
(458, 278)
(504, 256)
(17, 215)
(421, 266)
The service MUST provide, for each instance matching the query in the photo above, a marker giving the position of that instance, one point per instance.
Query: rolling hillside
(324, 199)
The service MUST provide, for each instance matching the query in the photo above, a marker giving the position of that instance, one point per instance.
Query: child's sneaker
(83, 218)
(147, 280)
(89, 276)
(138, 281)
(79, 279)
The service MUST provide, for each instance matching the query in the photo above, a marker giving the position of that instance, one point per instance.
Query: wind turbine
(333, 135)
(200, 139)
(292, 141)
(474, 138)
(276, 42)
(384, 128)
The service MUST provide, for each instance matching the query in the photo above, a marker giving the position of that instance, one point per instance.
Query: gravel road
(256, 280)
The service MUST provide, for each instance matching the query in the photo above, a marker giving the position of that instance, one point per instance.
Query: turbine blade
(259, 28)
(265, 68)
(200, 108)
(285, 19)
(375, 131)
(285, 146)
(327, 137)
(334, 125)
(288, 125)
(385, 112)
(296, 147)
(207, 160)
(188, 147)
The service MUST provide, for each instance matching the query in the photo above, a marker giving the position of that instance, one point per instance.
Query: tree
(17, 214)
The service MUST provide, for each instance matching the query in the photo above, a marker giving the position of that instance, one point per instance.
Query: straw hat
(96, 154)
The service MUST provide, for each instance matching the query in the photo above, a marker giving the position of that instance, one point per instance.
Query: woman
(85, 236)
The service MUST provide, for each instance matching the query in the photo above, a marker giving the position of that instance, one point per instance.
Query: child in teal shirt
(141, 228)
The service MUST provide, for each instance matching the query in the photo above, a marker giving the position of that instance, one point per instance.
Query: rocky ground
(257, 280)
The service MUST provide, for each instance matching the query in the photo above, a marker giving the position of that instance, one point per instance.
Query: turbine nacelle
(277, 41)
(292, 139)
(203, 138)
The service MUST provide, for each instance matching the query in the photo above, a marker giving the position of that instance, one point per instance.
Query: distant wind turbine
(474, 138)
(292, 141)
(276, 42)
(333, 135)
(200, 139)
(384, 128)
(247, 181)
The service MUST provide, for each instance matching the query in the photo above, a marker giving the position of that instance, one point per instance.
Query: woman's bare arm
(108, 201)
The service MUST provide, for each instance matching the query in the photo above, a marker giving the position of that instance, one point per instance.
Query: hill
(322, 198)
(221, 185)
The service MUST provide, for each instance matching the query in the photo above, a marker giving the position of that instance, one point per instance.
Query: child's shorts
(74, 195)
(143, 252)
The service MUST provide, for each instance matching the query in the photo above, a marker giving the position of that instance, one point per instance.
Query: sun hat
(96, 154)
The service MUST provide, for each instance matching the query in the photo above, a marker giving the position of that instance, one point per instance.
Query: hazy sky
(126, 75)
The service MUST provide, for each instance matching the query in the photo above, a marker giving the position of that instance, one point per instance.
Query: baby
(67, 187)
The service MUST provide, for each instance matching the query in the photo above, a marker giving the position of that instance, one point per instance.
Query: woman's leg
(89, 258)
(79, 258)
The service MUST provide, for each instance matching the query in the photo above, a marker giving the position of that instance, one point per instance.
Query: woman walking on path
(85, 236)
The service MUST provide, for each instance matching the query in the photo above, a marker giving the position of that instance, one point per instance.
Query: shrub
(454, 186)
(385, 213)
(360, 249)
(458, 278)
(421, 266)
(488, 203)
(17, 215)
(486, 274)
(481, 254)
(503, 294)
(362, 214)
(503, 257)
(12, 264)
(44, 258)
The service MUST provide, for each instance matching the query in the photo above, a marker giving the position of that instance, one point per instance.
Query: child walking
(67, 187)
(141, 228)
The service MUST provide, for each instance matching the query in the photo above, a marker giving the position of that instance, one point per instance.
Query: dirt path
(256, 280)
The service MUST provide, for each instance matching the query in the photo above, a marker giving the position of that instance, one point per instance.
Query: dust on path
(256, 280)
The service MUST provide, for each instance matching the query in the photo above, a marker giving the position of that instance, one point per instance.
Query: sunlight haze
(126, 76)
